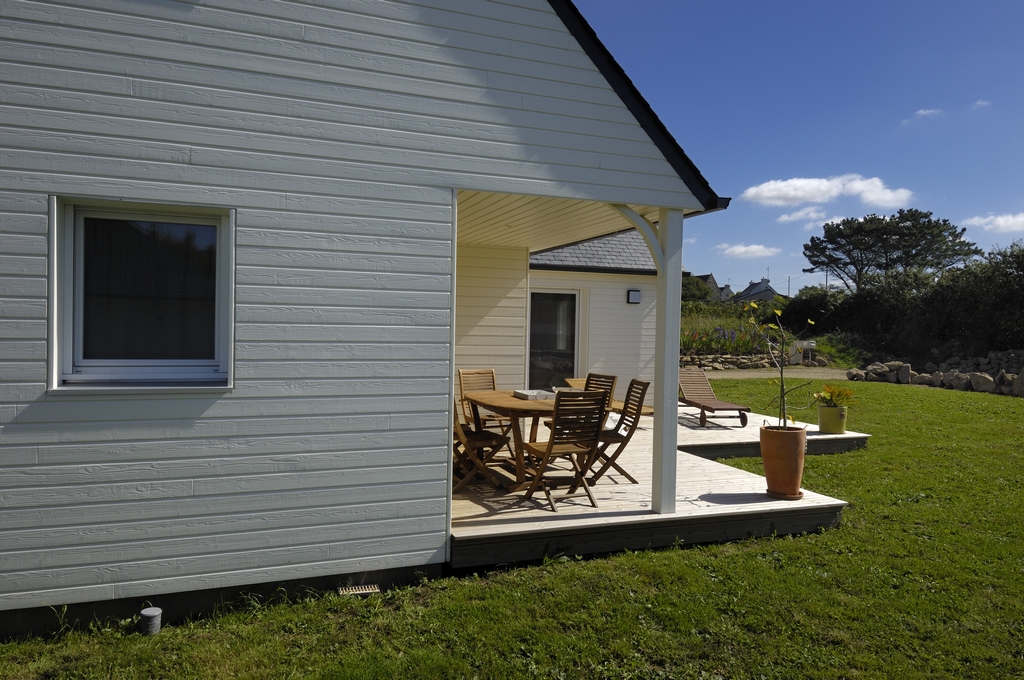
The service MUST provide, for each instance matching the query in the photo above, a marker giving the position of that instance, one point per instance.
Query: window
(144, 296)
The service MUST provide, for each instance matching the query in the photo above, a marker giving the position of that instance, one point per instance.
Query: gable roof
(624, 252)
(638, 106)
(757, 290)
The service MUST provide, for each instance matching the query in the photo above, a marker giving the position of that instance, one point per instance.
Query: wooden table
(505, 404)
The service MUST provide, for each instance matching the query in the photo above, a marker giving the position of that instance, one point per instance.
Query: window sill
(108, 388)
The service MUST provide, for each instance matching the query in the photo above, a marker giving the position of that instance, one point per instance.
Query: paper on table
(532, 395)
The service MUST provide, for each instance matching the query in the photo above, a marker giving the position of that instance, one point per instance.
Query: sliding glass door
(552, 339)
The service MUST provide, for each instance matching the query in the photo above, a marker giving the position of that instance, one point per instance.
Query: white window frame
(69, 370)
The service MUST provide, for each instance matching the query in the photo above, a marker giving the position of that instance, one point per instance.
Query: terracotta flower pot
(832, 419)
(782, 452)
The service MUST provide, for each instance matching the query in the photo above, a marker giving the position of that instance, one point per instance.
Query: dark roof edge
(593, 270)
(638, 106)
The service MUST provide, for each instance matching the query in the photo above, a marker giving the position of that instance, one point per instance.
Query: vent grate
(359, 591)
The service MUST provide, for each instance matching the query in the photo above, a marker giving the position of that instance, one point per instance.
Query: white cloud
(873, 191)
(811, 212)
(923, 113)
(746, 252)
(981, 103)
(690, 241)
(820, 223)
(870, 190)
(998, 223)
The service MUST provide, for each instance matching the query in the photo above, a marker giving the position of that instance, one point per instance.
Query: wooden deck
(724, 438)
(714, 502)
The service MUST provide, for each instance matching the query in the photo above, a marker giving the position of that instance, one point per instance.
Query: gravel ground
(804, 372)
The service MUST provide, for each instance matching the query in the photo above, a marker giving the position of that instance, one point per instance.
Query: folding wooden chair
(473, 451)
(622, 432)
(593, 381)
(695, 390)
(481, 380)
(576, 427)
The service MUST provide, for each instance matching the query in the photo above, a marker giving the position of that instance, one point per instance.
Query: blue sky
(804, 112)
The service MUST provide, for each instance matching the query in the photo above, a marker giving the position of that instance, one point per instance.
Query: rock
(1005, 389)
(855, 374)
(718, 367)
(923, 379)
(937, 379)
(893, 365)
(877, 369)
(874, 377)
(821, 361)
(982, 382)
(1000, 378)
(960, 381)
(892, 377)
(930, 367)
(903, 374)
(1018, 387)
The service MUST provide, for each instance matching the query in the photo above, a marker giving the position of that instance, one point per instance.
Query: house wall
(617, 338)
(337, 131)
(491, 312)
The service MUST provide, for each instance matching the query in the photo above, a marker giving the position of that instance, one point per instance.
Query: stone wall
(729, 362)
(996, 373)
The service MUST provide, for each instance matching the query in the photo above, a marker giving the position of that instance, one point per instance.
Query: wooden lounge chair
(575, 429)
(622, 432)
(473, 451)
(695, 390)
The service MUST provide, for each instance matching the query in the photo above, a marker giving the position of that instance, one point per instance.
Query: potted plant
(782, 445)
(832, 404)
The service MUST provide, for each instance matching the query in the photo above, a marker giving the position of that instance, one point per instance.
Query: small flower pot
(832, 419)
(782, 452)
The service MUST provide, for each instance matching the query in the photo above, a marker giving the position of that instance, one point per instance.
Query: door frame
(582, 324)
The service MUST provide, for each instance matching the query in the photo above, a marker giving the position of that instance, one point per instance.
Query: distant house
(244, 248)
(757, 290)
(718, 293)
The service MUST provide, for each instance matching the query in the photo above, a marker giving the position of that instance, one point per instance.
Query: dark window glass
(552, 339)
(149, 290)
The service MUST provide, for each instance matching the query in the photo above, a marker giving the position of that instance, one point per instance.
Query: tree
(695, 289)
(853, 250)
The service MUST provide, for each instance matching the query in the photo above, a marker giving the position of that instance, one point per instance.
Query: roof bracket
(647, 230)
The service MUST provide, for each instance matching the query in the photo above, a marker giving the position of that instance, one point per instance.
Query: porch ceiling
(535, 222)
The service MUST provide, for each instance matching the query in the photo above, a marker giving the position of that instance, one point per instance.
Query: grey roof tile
(625, 250)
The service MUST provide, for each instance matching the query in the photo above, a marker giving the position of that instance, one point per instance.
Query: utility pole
(789, 280)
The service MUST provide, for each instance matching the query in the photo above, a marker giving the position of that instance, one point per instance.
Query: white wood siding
(337, 130)
(490, 312)
(616, 338)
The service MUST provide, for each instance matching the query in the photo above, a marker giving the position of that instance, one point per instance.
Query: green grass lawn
(924, 579)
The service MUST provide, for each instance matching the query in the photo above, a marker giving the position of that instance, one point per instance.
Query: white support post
(666, 362)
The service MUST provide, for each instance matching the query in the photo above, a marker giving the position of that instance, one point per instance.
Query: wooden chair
(622, 432)
(473, 451)
(481, 380)
(576, 427)
(593, 381)
(695, 390)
